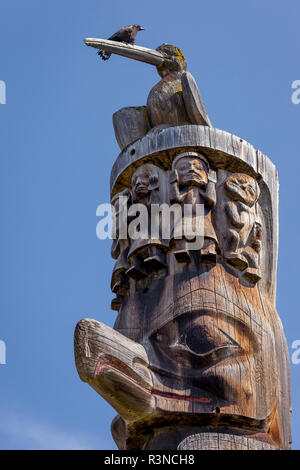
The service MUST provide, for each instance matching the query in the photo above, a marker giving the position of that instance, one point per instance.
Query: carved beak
(143, 54)
(116, 367)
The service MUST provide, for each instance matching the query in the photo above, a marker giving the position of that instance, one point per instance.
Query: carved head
(144, 179)
(191, 169)
(242, 187)
(175, 60)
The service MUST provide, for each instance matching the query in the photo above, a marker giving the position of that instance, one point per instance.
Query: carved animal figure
(175, 100)
(242, 192)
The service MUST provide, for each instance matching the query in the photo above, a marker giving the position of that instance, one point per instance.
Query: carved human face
(141, 181)
(220, 355)
(242, 187)
(191, 171)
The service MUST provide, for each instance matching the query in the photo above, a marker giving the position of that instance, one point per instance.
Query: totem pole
(197, 358)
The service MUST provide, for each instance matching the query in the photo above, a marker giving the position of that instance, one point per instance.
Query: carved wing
(193, 101)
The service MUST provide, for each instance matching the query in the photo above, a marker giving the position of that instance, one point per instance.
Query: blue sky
(57, 149)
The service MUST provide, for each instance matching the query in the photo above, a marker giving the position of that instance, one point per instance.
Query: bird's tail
(104, 55)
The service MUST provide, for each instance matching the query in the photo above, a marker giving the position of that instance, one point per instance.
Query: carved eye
(203, 342)
(233, 186)
(198, 345)
(207, 339)
(183, 166)
(199, 340)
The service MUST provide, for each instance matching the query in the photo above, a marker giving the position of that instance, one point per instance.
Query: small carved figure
(191, 185)
(242, 192)
(146, 254)
(119, 249)
(251, 253)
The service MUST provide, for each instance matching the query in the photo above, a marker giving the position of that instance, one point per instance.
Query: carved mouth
(193, 174)
(108, 365)
(141, 189)
(174, 396)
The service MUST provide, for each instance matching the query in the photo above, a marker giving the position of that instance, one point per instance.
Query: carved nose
(192, 169)
(139, 182)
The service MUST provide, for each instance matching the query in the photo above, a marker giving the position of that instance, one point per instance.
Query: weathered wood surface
(193, 101)
(130, 124)
(212, 342)
(165, 102)
(115, 366)
(174, 101)
(225, 151)
(228, 154)
(143, 54)
(214, 347)
(219, 441)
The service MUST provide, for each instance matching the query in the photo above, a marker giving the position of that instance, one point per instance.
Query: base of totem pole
(189, 438)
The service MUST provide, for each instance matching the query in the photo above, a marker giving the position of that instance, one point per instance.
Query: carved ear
(153, 183)
(173, 176)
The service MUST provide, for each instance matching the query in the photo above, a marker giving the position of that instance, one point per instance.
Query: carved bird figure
(127, 34)
(174, 101)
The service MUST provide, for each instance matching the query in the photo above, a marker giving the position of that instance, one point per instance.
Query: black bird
(126, 34)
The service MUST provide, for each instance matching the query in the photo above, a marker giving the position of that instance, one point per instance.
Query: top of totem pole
(174, 121)
(177, 87)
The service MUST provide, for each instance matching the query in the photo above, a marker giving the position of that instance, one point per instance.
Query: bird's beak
(142, 29)
(143, 54)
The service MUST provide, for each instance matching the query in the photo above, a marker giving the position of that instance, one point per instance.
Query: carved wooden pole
(197, 358)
